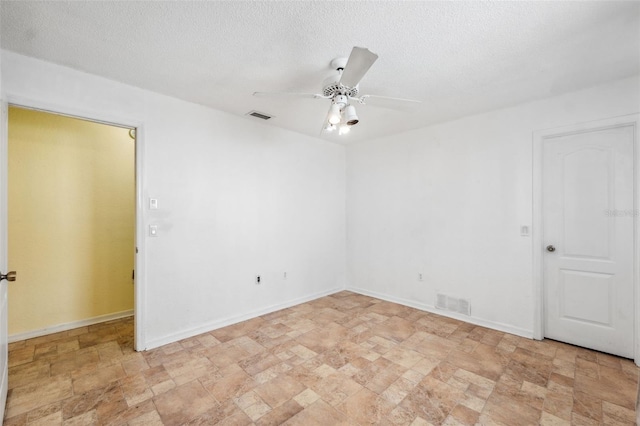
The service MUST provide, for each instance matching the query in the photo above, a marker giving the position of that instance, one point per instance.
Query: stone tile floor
(344, 359)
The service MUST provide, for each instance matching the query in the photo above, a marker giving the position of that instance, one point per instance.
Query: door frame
(537, 240)
(140, 281)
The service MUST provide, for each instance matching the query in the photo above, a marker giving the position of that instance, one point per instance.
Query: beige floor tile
(21, 356)
(135, 364)
(37, 394)
(231, 386)
(135, 389)
(306, 397)
(504, 410)
(342, 359)
(98, 378)
(587, 405)
(366, 407)
(28, 373)
(85, 419)
(613, 412)
(256, 410)
(183, 403)
(559, 404)
(43, 411)
(279, 390)
(281, 414)
(335, 388)
(126, 414)
(152, 418)
(550, 420)
(403, 356)
(321, 339)
(464, 415)
(50, 420)
(318, 414)
(612, 385)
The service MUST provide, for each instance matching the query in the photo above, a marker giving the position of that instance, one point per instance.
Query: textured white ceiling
(457, 57)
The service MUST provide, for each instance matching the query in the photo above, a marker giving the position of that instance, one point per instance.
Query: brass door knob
(9, 276)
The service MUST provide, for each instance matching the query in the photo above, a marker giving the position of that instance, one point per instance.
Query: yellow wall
(71, 219)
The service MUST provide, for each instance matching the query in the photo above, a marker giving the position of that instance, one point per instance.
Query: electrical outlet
(420, 276)
(284, 276)
(258, 280)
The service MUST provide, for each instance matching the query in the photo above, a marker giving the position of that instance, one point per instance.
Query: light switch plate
(153, 230)
(153, 203)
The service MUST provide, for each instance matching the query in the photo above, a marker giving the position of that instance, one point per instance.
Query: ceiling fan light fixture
(350, 116)
(330, 127)
(344, 129)
(334, 114)
(341, 88)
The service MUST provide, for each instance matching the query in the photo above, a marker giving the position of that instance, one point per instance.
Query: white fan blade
(287, 95)
(387, 102)
(357, 66)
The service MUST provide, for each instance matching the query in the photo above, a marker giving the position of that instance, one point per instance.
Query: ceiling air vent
(260, 115)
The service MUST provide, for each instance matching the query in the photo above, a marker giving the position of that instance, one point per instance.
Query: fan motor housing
(331, 87)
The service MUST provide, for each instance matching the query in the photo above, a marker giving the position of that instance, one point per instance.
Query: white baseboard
(429, 308)
(69, 326)
(210, 326)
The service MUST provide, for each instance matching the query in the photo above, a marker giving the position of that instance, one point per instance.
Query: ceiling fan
(342, 88)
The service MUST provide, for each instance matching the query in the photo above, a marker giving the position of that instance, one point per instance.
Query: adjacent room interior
(71, 222)
(445, 231)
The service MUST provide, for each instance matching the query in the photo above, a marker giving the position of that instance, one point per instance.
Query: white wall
(236, 198)
(448, 201)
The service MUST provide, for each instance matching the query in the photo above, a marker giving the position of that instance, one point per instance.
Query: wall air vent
(448, 303)
(260, 115)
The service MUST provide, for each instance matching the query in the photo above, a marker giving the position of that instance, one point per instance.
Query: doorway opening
(72, 192)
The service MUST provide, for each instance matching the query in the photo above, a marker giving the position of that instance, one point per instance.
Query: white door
(4, 362)
(4, 355)
(588, 235)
